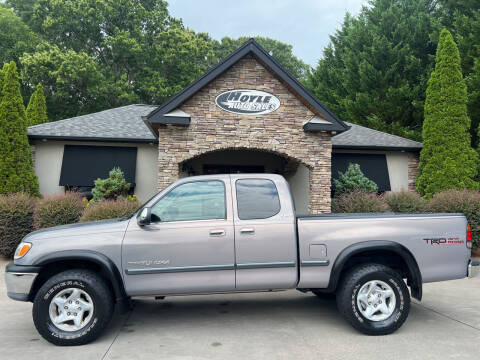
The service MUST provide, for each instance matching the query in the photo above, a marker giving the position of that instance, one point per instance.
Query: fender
(358, 248)
(100, 259)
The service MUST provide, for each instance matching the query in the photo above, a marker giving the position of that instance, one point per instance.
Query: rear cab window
(257, 199)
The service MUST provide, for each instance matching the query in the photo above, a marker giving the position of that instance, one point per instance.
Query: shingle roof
(360, 137)
(123, 124)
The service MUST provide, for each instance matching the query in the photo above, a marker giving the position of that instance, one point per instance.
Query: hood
(85, 228)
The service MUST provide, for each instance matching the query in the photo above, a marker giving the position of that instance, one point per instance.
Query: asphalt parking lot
(283, 325)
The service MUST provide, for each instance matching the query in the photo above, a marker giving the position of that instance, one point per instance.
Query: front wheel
(72, 307)
(374, 299)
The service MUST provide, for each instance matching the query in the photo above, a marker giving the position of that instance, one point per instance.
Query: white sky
(304, 24)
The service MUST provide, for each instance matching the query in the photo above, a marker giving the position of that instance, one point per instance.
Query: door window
(199, 200)
(257, 199)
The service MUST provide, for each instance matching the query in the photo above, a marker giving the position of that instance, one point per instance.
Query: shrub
(16, 221)
(113, 187)
(109, 209)
(353, 180)
(406, 202)
(460, 201)
(60, 209)
(359, 202)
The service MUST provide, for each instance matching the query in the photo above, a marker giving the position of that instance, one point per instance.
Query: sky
(304, 24)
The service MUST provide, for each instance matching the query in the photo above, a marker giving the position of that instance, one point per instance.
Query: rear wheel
(72, 307)
(374, 299)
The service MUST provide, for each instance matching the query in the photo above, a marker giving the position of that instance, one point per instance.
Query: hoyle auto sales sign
(247, 102)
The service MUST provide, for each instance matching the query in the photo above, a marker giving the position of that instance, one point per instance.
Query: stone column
(413, 160)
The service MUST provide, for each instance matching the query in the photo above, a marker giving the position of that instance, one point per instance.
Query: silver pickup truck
(234, 233)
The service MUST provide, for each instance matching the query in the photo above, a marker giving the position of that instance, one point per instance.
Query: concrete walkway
(284, 325)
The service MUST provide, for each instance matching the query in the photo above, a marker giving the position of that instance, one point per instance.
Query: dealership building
(246, 114)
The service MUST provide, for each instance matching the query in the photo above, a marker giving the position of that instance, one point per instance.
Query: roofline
(367, 147)
(249, 46)
(86, 138)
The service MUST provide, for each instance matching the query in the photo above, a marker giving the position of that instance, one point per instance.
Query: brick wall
(279, 132)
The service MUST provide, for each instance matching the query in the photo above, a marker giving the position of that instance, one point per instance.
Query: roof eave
(94, 139)
(377, 147)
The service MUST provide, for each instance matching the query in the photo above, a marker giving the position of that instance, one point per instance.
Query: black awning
(373, 166)
(82, 165)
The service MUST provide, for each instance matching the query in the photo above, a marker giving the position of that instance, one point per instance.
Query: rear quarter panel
(436, 262)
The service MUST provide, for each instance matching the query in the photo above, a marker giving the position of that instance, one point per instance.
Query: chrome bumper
(19, 283)
(473, 268)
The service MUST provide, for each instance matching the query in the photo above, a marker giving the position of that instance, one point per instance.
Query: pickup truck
(234, 233)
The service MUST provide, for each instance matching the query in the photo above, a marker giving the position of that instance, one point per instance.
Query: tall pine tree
(37, 107)
(16, 165)
(447, 160)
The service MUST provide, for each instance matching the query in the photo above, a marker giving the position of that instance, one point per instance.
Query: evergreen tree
(447, 160)
(16, 165)
(37, 108)
(353, 180)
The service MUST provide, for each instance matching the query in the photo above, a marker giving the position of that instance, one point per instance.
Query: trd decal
(444, 241)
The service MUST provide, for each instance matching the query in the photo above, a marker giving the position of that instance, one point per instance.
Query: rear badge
(444, 241)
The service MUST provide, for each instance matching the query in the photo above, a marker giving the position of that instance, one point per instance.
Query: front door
(188, 247)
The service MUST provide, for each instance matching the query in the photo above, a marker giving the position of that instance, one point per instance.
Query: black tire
(324, 295)
(90, 283)
(348, 290)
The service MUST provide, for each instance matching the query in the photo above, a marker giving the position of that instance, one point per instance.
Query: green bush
(460, 201)
(359, 202)
(406, 202)
(109, 209)
(353, 180)
(16, 221)
(59, 209)
(111, 188)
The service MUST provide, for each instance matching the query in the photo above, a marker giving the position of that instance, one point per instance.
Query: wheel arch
(375, 249)
(68, 259)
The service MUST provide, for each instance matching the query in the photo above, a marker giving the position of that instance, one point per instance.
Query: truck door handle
(217, 232)
(247, 231)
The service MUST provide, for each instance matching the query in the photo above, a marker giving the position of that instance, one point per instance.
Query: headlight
(22, 249)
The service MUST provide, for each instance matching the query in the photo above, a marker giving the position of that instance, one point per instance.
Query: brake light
(469, 236)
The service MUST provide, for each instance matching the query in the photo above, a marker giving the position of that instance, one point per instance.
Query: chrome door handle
(247, 231)
(217, 232)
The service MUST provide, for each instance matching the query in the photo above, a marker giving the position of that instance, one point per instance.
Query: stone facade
(279, 132)
(413, 160)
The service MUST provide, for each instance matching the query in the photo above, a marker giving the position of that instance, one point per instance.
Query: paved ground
(284, 325)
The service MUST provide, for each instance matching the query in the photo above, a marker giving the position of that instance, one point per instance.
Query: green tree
(15, 37)
(447, 160)
(37, 107)
(111, 188)
(16, 165)
(280, 51)
(353, 180)
(375, 70)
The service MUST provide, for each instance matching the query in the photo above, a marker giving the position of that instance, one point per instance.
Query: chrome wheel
(376, 300)
(71, 309)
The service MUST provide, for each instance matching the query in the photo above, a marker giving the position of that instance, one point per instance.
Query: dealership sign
(247, 102)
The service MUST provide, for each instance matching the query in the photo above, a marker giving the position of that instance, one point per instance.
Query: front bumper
(473, 268)
(19, 280)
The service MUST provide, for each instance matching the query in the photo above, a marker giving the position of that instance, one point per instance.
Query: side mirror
(145, 217)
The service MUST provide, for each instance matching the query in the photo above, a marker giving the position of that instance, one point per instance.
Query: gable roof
(123, 124)
(360, 137)
(249, 47)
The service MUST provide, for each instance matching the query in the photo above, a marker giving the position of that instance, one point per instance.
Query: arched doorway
(246, 160)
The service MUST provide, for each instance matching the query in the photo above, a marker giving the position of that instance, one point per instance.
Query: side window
(200, 200)
(257, 199)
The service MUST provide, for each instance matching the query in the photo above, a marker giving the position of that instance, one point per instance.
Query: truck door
(265, 236)
(189, 245)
